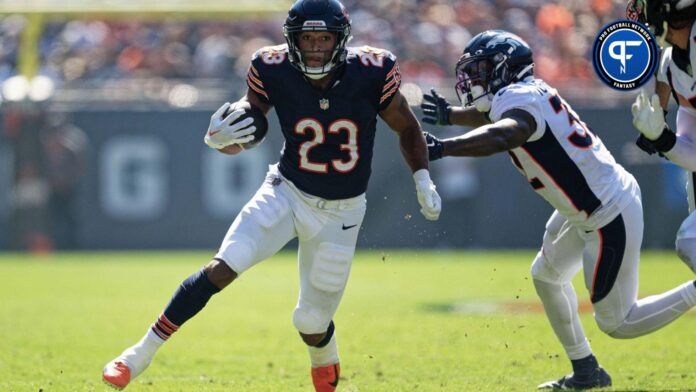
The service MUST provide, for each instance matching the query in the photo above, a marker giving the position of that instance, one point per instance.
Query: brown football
(260, 122)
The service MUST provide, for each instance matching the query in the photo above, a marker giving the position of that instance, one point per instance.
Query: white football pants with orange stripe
(609, 257)
(327, 231)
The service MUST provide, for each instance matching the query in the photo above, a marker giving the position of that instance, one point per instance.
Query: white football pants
(609, 257)
(327, 231)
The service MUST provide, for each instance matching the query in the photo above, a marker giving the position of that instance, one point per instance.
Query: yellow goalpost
(38, 12)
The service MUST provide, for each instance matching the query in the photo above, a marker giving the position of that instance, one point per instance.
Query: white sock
(324, 356)
(654, 312)
(138, 356)
(561, 306)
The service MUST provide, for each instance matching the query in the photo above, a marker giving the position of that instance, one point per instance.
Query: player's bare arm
(400, 118)
(437, 111)
(468, 116)
(663, 91)
(511, 131)
(254, 100)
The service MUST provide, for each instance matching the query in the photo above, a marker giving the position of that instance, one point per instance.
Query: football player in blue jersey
(327, 97)
(597, 225)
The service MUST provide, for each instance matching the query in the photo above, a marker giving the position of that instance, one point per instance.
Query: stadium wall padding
(152, 183)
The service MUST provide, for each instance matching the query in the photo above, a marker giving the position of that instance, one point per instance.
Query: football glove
(436, 109)
(434, 146)
(649, 119)
(230, 129)
(429, 200)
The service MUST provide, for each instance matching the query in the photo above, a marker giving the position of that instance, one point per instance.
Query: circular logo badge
(625, 55)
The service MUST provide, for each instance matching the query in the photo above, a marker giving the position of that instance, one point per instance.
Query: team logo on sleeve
(625, 55)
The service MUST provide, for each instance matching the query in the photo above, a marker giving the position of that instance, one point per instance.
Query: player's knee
(331, 267)
(312, 339)
(546, 289)
(319, 339)
(219, 273)
(686, 249)
(608, 328)
(238, 252)
(542, 271)
(621, 331)
(610, 325)
(308, 321)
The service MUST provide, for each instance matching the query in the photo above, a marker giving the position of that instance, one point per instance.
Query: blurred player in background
(327, 98)
(597, 224)
(672, 21)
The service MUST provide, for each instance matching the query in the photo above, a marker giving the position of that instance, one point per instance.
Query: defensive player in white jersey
(672, 21)
(597, 225)
(327, 98)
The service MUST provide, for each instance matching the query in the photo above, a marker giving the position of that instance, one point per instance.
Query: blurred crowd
(427, 36)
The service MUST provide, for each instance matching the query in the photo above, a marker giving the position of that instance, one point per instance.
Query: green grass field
(410, 321)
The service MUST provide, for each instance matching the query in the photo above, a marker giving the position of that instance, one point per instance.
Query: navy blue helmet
(656, 13)
(317, 15)
(492, 60)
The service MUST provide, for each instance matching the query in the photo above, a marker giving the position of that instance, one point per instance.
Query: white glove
(222, 133)
(428, 198)
(648, 116)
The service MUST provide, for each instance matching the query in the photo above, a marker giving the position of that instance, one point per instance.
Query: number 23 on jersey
(311, 126)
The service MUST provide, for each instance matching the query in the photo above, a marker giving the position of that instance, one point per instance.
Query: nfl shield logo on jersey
(324, 104)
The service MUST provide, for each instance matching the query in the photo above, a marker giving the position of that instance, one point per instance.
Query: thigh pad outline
(331, 267)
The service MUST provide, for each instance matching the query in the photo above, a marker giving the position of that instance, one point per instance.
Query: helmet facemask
(297, 56)
(478, 78)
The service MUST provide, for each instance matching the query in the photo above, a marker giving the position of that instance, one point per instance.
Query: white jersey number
(336, 127)
(580, 140)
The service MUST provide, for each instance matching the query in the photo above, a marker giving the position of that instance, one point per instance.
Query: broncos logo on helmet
(317, 15)
(492, 60)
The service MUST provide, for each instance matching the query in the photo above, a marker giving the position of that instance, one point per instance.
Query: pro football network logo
(625, 55)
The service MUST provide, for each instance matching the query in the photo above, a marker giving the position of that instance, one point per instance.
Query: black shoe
(598, 379)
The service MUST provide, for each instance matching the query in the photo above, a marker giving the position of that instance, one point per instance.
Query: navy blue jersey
(329, 136)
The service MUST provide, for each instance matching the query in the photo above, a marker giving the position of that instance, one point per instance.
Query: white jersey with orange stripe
(564, 161)
(676, 69)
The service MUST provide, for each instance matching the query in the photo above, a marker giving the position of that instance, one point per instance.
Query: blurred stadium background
(101, 146)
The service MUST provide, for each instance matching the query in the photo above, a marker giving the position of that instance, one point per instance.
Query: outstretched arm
(511, 131)
(468, 116)
(437, 111)
(400, 118)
